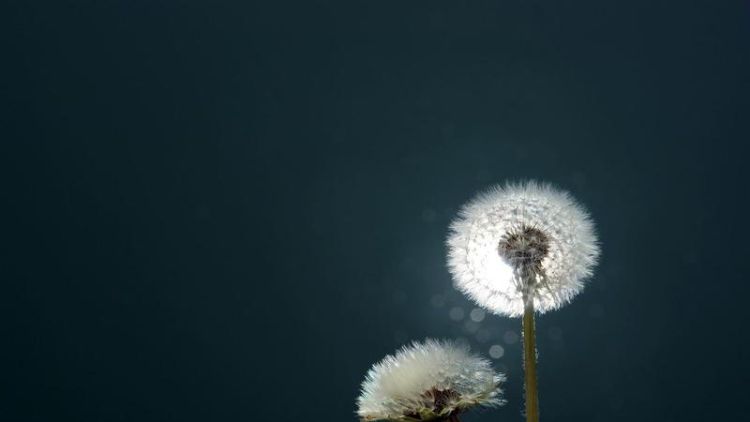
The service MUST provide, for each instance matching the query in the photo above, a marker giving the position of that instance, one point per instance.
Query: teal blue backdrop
(229, 210)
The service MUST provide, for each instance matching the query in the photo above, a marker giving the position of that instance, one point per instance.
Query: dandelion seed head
(427, 381)
(522, 240)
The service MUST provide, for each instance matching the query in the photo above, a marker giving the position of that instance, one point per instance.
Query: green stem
(529, 360)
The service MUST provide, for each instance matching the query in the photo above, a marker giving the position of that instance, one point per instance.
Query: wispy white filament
(403, 386)
(479, 270)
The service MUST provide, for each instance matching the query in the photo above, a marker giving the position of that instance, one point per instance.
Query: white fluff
(480, 272)
(401, 387)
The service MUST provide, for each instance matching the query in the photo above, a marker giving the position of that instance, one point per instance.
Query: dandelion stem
(529, 360)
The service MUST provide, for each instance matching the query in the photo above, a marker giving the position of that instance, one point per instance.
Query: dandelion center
(441, 400)
(524, 248)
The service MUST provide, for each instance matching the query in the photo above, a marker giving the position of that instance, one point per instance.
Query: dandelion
(433, 380)
(522, 240)
(521, 248)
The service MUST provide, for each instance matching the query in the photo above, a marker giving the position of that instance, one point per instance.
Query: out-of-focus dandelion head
(426, 381)
(522, 242)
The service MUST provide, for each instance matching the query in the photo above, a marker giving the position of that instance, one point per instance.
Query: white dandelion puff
(522, 242)
(433, 380)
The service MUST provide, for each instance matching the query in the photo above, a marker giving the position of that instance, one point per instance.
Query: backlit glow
(480, 271)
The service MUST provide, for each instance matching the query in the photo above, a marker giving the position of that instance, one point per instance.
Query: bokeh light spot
(471, 326)
(477, 314)
(456, 313)
(496, 351)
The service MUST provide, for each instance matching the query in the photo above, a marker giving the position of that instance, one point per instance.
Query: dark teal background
(229, 210)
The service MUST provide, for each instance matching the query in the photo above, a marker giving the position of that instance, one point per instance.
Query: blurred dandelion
(521, 248)
(433, 380)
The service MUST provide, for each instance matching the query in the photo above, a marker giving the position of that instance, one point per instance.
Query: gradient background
(229, 210)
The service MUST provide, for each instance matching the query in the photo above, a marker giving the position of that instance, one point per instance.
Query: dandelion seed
(433, 380)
